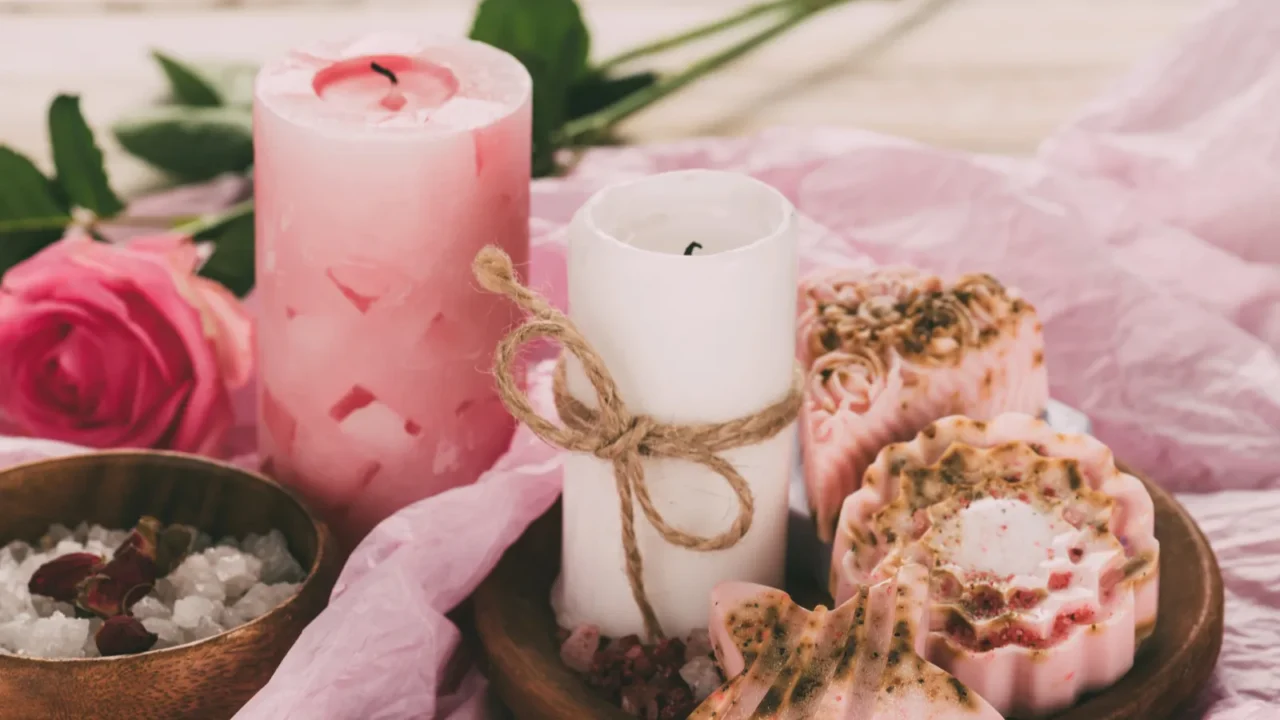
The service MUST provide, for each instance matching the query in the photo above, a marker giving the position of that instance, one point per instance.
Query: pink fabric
(1146, 231)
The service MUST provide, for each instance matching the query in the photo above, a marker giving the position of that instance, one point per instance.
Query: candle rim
(780, 227)
(284, 86)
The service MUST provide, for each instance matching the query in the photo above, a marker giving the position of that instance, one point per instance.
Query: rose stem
(600, 122)
(692, 34)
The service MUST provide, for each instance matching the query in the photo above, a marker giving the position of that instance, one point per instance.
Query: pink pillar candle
(382, 165)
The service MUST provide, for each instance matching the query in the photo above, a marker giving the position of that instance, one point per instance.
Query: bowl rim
(318, 526)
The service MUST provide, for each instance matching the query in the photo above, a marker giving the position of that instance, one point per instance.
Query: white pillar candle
(706, 337)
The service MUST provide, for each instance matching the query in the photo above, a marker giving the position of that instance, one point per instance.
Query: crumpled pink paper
(1147, 232)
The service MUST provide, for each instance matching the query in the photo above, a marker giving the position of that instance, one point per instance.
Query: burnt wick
(692, 246)
(385, 72)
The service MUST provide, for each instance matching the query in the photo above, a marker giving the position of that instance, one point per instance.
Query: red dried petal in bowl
(123, 635)
(61, 578)
(173, 545)
(143, 538)
(117, 586)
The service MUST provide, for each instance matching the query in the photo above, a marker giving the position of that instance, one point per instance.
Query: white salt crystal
(170, 634)
(18, 550)
(238, 573)
(218, 552)
(54, 637)
(47, 606)
(14, 601)
(90, 644)
(215, 589)
(701, 675)
(697, 644)
(57, 533)
(165, 591)
(262, 599)
(99, 548)
(205, 628)
(99, 534)
(10, 631)
(195, 576)
(278, 564)
(151, 607)
(188, 611)
(66, 547)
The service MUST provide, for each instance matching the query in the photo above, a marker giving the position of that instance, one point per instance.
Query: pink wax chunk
(383, 165)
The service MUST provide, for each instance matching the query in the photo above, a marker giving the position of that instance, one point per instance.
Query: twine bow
(612, 433)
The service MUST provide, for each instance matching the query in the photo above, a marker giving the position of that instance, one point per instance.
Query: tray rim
(537, 689)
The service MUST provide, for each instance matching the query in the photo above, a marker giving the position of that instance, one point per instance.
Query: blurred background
(986, 75)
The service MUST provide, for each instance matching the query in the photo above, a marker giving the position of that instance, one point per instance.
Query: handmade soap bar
(684, 284)
(383, 164)
(860, 661)
(1043, 554)
(891, 351)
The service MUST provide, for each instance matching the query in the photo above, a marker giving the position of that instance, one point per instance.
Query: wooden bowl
(518, 629)
(211, 678)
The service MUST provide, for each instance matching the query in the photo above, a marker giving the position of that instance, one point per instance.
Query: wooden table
(987, 75)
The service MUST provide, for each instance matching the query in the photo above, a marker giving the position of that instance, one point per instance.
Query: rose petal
(233, 340)
(145, 335)
(123, 635)
(178, 251)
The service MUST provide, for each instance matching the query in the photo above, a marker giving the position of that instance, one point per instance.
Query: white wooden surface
(990, 75)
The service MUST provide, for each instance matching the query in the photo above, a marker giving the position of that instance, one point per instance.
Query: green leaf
(190, 143)
(551, 40)
(32, 215)
(232, 261)
(78, 160)
(597, 92)
(187, 85)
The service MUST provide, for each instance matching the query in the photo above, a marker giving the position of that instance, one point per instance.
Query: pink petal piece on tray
(1147, 234)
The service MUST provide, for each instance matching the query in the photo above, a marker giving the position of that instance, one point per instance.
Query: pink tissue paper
(1147, 233)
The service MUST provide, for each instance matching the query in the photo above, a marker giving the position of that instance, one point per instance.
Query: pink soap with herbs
(383, 163)
(888, 352)
(1043, 556)
(861, 661)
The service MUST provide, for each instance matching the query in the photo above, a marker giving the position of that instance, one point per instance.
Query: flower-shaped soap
(891, 351)
(1043, 554)
(860, 661)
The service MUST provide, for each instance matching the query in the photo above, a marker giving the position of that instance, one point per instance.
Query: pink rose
(121, 346)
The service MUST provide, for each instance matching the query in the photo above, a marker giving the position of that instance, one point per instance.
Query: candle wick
(386, 72)
(692, 246)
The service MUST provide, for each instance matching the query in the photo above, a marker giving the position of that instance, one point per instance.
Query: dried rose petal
(642, 680)
(118, 585)
(60, 578)
(123, 635)
(142, 538)
(174, 544)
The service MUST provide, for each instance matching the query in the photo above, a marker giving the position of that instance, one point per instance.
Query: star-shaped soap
(1043, 556)
(890, 351)
(860, 661)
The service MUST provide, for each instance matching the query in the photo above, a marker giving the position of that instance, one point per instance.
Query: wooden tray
(518, 630)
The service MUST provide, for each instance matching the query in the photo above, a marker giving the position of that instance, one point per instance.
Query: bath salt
(214, 589)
